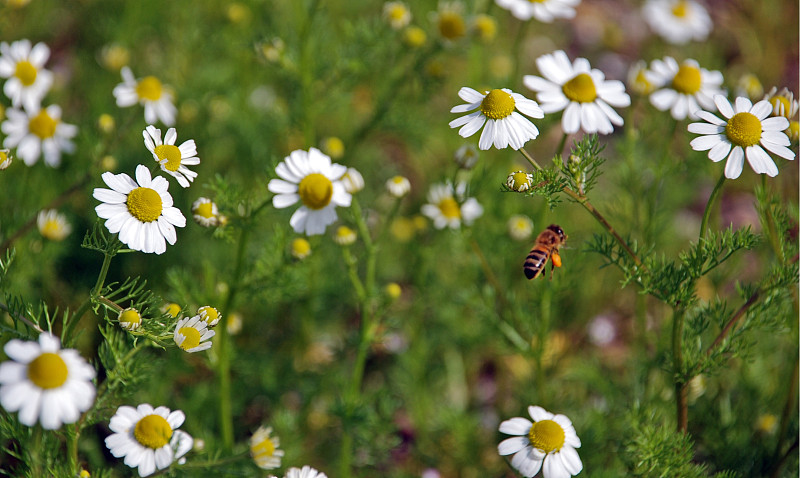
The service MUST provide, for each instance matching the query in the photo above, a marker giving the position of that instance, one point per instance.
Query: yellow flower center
(173, 309)
(263, 449)
(537, 1)
(301, 248)
(51, 229)
(744, 129)
(48, 370)
(192, 339)
(546, 435)
(171, 153)
(25, 72)
(450, 208)
(152, 431)
(580, 89)
(208, 313)
(130, 316)
(42, 125)
(397, 12)
(687, 80)
(794, 130)
(315, 191)
(149, 88)
(414, 37)
(780, 105)
(144, 204)
(642, 83)
(497, 104)
(451, 25)
(681, 9)
(205, 209)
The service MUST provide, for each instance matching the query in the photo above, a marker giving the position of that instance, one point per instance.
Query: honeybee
(547, 244)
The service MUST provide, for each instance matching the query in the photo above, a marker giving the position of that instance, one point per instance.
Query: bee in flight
(547, 244)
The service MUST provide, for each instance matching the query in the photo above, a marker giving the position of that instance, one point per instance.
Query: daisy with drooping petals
(640, 79)
(205, 212)
(305, 472)
(148, 438)
(38, 132)
(397, 14)
(746, 133)
(783, 102)
(449, 19)
(311, 178)
(686, 88)
(209, 315)
(548, 444)
(150, 93)
(446, 210)
(53, 225)
(677, 21)
(581, 91)
(543, 10)
(28, 82)
(192, 334)
(398, 186)
(264, 449)
(498, 110)
(45, 383)
(129, 319)
(173, 159)
(141, 213)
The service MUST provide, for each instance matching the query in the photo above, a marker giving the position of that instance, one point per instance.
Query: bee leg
(552, 268)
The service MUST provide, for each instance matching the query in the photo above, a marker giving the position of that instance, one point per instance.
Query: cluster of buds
(576, 169)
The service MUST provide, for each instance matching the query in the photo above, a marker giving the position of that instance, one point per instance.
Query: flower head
(344, 236)
(129, 319)
(580, 90)
(192, 334)
(520, 227)
(301, 248)
(5, 158)
(353, 181)
(414, 36)
(677, 21)
(548, 444)
(397, 14)
(684, 89)
(305, 472)
(141, 213)
(746, 132)
(45, 383)
(447, 206)
(147, 437)
(205, 212)
(466, 156)
(543, 10)
(53, 225)
(173, 159)
(519, 181)
(783, 102)
(484, 27)
(209, 315)
(264, 449)
(332, 146)
(310, 178)
(640, 79)
(150, 93)
(498, 110)
(749, 85)
(36, 132)
(398, 186)
(28, 82)
(449, 19)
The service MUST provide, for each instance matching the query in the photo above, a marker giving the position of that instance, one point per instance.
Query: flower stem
(681, 388)
(530, 159)
(560, 148)
(66, 332)
(711, 198)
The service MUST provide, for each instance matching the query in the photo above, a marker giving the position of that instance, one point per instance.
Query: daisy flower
(311, 178)
(398, 186)
(305, 472)
(745, 132)
(264, 449)
(129, 319)
(332, 146)
(53, 225)
(677, 21)
(640, 79)
(209, 315)
(141, 213)
(45, 383)
(449, 20)
(446, 211)
(23, 65)
(205, 212)
(5, 158)
(344, 236)
(36, 132)
(173, 159)
(300, 248)
(466, 156)
(543, 10)
(749, 85)
(353, 181)
(397, 14)
(520, 227)
(192, 334)
(498, 110)
(150, 93)
(548, 444)
(519, 181)
(581, 91)
(484, 27)
(686, 88)
(148, 438)
(783, 102)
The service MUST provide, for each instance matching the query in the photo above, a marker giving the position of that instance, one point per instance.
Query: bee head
(557, 229)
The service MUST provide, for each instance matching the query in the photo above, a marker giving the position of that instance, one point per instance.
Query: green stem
(560, 148)
(530, 159)
(769, 220)
(681, 389)
(711, 198)
(66, 333)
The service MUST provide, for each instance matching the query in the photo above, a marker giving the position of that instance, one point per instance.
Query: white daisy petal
(735, 164)
(516, 426)
(512, 445)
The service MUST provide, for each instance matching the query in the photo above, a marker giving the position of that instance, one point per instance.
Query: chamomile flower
(53, 225)
(344, 236)
(686, 88)
(783, 102)
(148, 438)
(447, 206)
(397, 14)
(6, 158)
(28, 82)
(677, 21)
(520, 227)
(36, 132)
(484, 27)
(466, 156)
(173, 159)
(310, 178)
(449, 20)
(543, 10)
(45, 383)
(398, 186)
(497, 109)
(305, 472)
(414, 36)
(749, 85)
(640, 79)
(209, 315)
(746, 131)
(353, 181)
(150, 93)
(264, 449)
(141, 213)
(192, 334)
(300, 248)
(130, 319)
(205, 212)
(581, 91)
(547, 444)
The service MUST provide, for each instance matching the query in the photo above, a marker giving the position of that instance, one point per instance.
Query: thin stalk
(711, 198)
(769, 221)
(560, 148)
(66, 333)
(530, 159)
(681, 388)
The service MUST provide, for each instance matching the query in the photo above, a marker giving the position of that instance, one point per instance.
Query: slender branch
(707, 213)
(791, 451)
(22, 318)
(681, 385)
(732, 322)
(560, 148)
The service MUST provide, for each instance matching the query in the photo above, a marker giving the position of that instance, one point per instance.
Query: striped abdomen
(535, 262)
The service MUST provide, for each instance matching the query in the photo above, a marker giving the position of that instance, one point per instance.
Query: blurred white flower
(36, 132)
(677, 21)
(150, 93)
(447, 206)
(543, 10)
(53, 225)
(28, 82)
